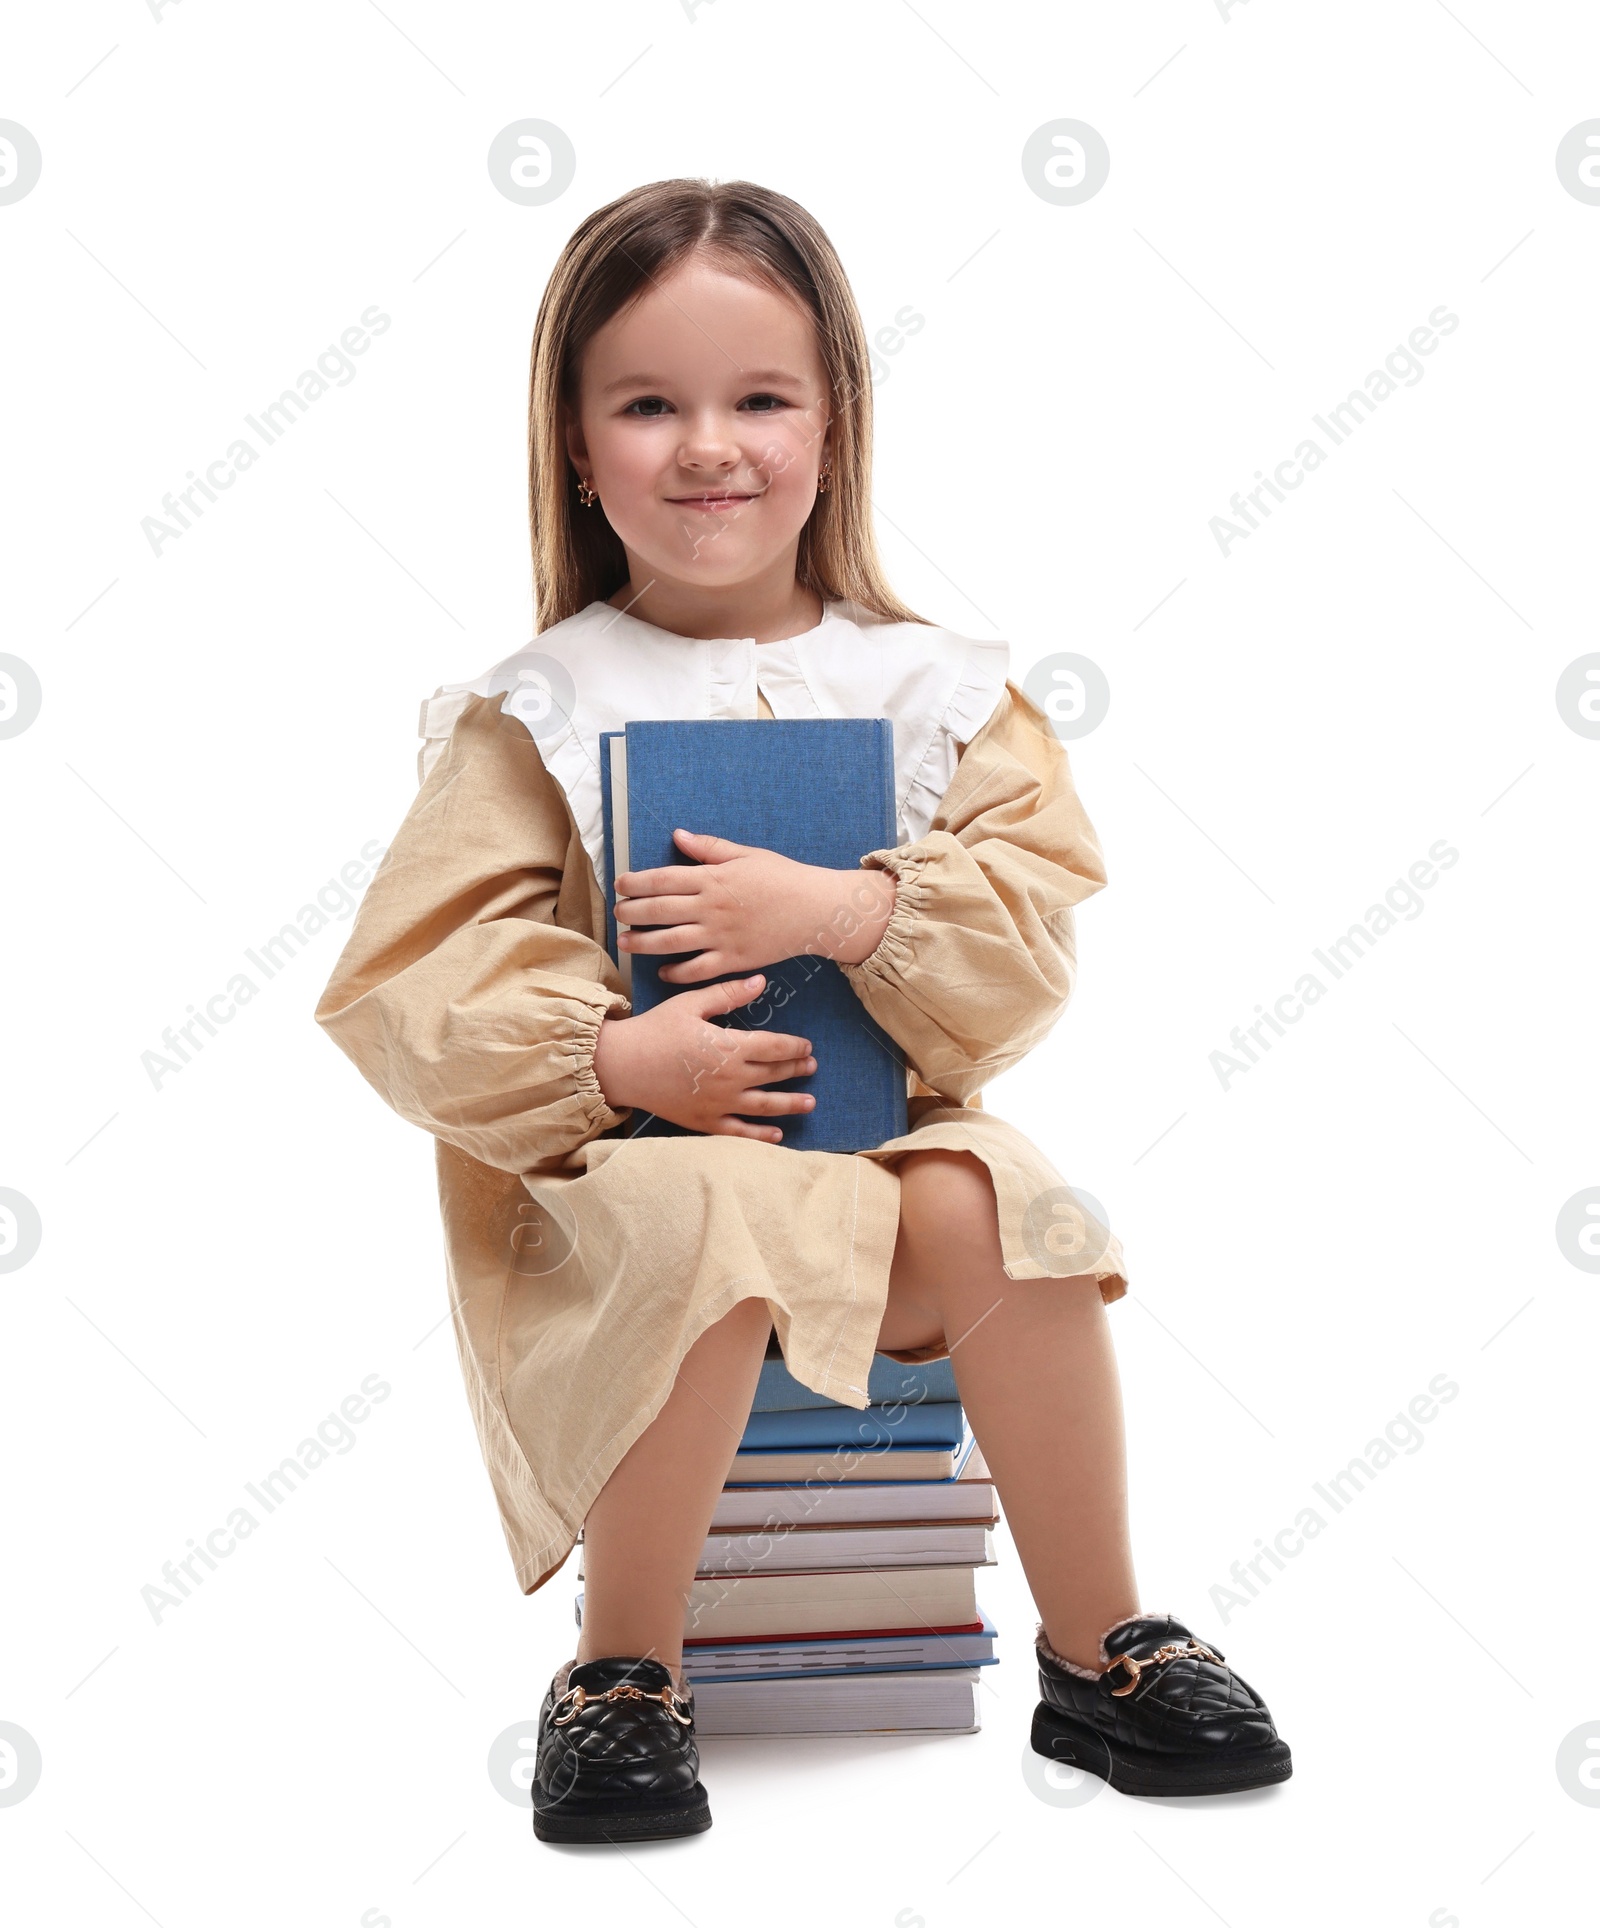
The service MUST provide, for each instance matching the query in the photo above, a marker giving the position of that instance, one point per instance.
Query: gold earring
(586, 495)
(822, 479)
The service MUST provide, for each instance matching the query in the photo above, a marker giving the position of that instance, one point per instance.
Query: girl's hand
(673, 1061)
(742, 907)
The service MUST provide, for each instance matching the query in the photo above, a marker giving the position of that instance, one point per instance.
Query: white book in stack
(942, 1699)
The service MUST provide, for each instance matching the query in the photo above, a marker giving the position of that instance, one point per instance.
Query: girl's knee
(940, 1157)
(943, 1169)
(748, 1315)
(947, 1192)
(744, 1327)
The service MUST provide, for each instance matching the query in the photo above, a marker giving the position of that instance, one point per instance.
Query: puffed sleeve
(978, 958)
(457, 995)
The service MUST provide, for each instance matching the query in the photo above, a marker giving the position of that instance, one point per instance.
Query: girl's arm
(978, 958)
(457, 995)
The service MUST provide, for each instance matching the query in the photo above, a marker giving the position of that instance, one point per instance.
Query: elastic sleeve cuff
(589, 1013)
(891, 956)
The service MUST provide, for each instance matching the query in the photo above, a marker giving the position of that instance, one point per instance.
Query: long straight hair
(612, 257)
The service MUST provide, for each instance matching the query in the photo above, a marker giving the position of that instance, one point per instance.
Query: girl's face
(702, 425)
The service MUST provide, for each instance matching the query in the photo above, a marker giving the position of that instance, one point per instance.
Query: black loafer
(616, 1758)
(1166, 1715)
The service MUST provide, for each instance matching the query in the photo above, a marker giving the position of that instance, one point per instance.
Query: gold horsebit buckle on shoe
(1173, 1650)
(624, 1690)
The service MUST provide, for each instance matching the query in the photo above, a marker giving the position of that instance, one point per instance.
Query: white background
(225, 725)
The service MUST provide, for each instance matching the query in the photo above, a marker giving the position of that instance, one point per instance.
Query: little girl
(699, 489)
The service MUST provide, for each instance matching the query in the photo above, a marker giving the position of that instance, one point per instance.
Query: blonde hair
(609, 260)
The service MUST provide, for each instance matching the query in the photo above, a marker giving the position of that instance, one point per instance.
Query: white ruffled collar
(602, 668)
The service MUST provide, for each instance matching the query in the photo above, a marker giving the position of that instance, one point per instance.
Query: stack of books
(835, 1593)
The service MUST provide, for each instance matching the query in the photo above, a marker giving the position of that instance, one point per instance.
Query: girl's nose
(711, 441)
(709, 462)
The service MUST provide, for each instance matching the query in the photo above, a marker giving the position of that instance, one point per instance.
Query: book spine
(891, 829)
(899, 1111)
(842, 1428)
(608, 882)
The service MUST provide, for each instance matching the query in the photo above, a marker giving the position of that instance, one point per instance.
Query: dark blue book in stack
(817, 789)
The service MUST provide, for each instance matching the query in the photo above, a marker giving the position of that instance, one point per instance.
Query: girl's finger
(767, 1103)
(702, 843)
(656, 910)
(775, 1073)
(766, 1046)
(731, 1127)
(673, 938)
(763, 1071)
(693, 970)
(640, 883)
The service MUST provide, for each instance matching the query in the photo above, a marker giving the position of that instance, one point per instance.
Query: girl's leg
(1037, 1375)
(643, 1536)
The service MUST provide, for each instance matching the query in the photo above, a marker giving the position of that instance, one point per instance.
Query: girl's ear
(577, 451)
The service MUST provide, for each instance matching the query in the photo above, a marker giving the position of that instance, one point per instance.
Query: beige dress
(583, 1263)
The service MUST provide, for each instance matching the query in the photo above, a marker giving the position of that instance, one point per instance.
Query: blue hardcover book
(817, 789)
(889, 1383)
(876, 1455)
(938, 1423)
